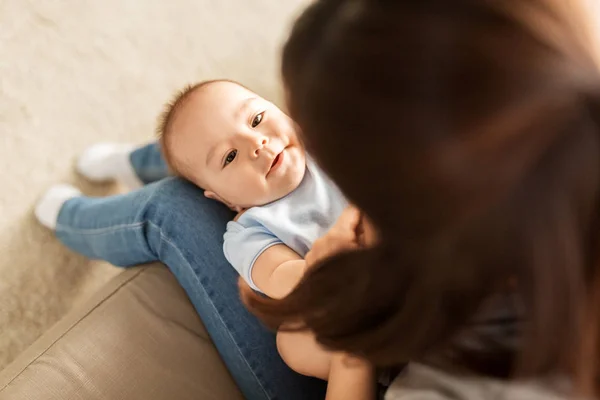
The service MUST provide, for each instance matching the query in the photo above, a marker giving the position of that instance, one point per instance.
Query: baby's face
(236, 145)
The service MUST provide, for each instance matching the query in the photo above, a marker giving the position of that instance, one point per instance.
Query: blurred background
(73, 73)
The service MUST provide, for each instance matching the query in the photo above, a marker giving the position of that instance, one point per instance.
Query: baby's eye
(258, 119)
(230, 157)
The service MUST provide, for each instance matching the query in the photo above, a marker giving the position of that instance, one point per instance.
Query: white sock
(105, 162)
(49, 206)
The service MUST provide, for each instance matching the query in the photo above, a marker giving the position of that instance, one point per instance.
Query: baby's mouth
(275, 160)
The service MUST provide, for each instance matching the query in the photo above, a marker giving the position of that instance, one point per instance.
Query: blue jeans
(171, 221)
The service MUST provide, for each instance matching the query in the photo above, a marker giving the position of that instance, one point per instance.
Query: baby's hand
(343, 236)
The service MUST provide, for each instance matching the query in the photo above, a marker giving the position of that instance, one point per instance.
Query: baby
(244, 152)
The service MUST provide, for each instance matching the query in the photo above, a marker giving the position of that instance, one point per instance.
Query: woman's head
(468, 132)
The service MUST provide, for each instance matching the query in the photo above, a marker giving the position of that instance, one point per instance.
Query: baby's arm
(277, 271)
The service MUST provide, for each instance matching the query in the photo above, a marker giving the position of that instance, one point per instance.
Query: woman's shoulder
(419, 382)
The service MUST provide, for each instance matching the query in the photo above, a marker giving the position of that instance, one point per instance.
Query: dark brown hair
(468, 132)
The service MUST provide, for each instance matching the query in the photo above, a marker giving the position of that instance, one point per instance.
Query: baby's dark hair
(166, 119)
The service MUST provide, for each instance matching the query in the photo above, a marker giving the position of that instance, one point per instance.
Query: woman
(467, 134)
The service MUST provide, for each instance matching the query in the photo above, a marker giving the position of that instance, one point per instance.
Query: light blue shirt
(296, 220)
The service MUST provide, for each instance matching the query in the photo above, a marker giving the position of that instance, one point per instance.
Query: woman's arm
(350, 379)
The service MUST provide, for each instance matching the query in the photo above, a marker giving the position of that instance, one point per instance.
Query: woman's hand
(350, 378)
(343, 236)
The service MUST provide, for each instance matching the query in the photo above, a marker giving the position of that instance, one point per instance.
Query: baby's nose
(259, 146)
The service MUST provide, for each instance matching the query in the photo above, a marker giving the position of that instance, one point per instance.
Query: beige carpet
(76, 72)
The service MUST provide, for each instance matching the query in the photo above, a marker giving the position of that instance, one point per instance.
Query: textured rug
(77, 72)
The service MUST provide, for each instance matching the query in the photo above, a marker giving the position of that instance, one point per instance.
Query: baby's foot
(105, 162)
(49, 206)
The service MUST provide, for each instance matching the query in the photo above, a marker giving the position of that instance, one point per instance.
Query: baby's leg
(303, 354)
(125, 163)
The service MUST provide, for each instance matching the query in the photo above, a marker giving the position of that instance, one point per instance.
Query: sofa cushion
(139, 337)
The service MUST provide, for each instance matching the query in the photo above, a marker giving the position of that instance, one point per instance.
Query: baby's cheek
(248, 192)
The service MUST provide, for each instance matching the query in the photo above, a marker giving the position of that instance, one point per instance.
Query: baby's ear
(214, 196)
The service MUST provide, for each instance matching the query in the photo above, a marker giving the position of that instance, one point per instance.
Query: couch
(139, 337)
